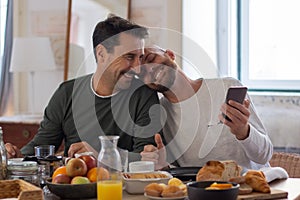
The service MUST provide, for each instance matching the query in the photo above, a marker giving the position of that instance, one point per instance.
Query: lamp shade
(32, 54)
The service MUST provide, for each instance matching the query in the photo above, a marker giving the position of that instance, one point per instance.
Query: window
(199, 54)
(256, 41)
(269, 41)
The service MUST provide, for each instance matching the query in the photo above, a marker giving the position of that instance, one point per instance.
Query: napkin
(273, 173)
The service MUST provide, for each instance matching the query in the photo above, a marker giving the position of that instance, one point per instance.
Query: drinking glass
(43, 151)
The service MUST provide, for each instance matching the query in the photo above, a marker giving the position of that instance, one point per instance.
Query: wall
(165, 23)
(280, 114)
(46, 19)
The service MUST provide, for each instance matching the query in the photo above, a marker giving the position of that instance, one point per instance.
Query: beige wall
(26, 13)
(164, 20)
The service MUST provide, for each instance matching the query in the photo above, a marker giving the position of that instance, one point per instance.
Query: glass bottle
(3, 158)
(109, 183)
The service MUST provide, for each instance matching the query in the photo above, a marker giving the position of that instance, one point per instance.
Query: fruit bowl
(73, 191)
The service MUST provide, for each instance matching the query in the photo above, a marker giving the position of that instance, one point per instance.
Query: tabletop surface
(290, 185)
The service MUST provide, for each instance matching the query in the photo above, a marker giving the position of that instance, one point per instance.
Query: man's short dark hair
(112, 26)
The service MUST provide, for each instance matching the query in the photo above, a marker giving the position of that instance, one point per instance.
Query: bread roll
(218, 171)
(172, 191)
(154, 189)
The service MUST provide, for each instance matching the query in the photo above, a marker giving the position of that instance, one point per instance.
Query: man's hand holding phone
(235, 112)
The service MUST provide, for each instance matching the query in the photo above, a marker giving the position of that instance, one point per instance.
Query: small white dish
(141, 167)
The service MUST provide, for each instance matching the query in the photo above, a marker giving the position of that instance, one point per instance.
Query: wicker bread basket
(20, 189)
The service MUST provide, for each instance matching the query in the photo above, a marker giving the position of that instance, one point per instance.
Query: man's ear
(100, 53)
(171, 54)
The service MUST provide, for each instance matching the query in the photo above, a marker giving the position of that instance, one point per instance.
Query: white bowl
(141, 166)
(137, 185)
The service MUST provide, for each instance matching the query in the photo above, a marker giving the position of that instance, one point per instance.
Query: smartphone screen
(236, 93)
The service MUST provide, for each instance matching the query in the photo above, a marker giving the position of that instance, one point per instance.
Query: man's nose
(136, 67)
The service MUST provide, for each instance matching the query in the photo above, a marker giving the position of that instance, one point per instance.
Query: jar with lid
(25, 170)
(109, 183)
(3, 157)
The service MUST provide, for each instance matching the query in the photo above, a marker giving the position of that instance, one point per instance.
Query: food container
(136, 182)
(196, 190)
(25, 170)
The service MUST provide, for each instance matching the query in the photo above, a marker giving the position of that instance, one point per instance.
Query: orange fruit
(92, 174)
(59, 170)
(220, 186)
(175, 181)
(101, 172)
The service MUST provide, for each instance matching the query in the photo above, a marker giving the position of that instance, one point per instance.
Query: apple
(89, 160)
(76, 167)
(80, 180)
(62, 179)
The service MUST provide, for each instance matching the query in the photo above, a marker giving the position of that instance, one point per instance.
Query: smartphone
(236, 93)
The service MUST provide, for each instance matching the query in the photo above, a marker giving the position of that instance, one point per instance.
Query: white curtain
(6, 76)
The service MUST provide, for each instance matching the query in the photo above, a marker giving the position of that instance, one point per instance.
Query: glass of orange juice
(110, 189)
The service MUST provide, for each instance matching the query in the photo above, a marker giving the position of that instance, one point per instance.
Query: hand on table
(239, 115)
(156, 154)
(12, 151)
(81, 147)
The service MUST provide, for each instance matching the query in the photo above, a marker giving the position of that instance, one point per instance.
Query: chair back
(289, 161)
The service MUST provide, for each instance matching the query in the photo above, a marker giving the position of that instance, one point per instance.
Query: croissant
(257, 180)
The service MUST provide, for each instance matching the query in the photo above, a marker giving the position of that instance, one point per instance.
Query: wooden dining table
(290, 185)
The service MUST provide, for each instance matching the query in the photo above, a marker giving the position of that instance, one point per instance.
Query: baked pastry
(154, 189)
(144, 175)
(218, 171)
(172, 191)
(257, 180)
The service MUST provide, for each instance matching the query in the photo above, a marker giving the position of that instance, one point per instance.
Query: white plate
(165, 198)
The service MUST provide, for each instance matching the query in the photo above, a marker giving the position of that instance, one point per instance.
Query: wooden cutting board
(275, 194)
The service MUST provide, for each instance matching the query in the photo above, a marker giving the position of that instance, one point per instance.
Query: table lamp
(32, 54)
